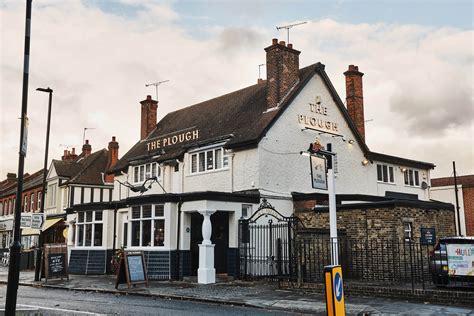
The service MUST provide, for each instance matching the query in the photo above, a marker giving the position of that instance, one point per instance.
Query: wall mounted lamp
(351, 141)
(365, 162)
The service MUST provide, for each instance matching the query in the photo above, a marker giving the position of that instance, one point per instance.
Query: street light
(46, 148)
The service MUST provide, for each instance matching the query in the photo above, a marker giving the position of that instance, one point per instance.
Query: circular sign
(338, 286)
(65, 231)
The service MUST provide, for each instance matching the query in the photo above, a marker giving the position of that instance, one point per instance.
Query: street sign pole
(332, 217)
(14, 265)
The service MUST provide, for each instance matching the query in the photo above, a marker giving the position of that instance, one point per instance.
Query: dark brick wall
(158, 264)
(88, 262)
(282, 71)
(383, 222)
(184, 266)
(148, 116)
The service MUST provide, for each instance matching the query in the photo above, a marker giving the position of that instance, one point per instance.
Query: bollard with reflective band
(334, 291)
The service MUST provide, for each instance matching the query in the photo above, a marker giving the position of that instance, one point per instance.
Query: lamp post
(14, 266)
(46, 149)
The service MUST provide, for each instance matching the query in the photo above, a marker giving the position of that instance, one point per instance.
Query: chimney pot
(113, 158)
(282, 43)
(113, 138)
(73, 151)
(148, 97)
(274, 41)
(87, 142)
(290, 45)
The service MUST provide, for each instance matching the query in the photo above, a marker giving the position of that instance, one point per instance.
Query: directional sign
(37, 221)
(334, 291)
(25, 221)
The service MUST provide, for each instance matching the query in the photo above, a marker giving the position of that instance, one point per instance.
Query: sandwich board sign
(132, 269)
(55, 262)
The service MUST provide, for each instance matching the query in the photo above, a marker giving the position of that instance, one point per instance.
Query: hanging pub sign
(318, 172)
(428, 236)
(132, 269)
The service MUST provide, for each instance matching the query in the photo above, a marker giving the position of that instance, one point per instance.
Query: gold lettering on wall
(172, 140)
(319, 122)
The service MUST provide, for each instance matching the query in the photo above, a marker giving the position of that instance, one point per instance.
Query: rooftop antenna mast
(156, 84)
(84, 134)
(288, 27)
(259, 67)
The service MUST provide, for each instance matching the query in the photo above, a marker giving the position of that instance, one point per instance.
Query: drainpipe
(177, 238)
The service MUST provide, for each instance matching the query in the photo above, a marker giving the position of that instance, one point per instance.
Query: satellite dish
(424, 185)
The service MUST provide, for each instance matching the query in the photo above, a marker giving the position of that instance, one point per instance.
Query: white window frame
(411, 177)
(207, 154)
(408, 230)
(51, 195)
(140, 173)
(40, 196)
(86, 222)
(32, 202)
(385, 180)
(141, 219)
(25, 203)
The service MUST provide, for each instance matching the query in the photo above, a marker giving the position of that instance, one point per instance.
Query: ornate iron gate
(266, 244)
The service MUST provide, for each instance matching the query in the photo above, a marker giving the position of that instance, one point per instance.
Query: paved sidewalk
(253, 294)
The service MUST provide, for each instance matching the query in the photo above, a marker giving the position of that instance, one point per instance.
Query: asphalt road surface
(40, 301)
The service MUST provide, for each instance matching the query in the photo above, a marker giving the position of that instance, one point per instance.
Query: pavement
(251, 294)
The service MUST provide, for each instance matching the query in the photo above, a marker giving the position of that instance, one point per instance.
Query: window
(146, 171)
(89, 229)
(51, 194)
(25, 203)
(385, 173)
(147, 225)
(208, 160)
(407, 228)
(33, 204)
(246, 210)
(412, 177)
(40, 195)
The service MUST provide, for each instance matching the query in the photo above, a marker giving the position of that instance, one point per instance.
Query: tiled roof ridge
(85, 166)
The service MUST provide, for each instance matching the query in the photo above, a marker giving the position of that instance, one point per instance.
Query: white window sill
(150, 248)
(207, 172)
(412, 186)
(389, 183)
(89, 247)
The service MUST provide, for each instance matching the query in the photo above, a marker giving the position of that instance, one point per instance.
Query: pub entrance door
(219, 237)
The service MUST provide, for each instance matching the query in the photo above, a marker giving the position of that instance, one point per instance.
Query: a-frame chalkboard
(132, 269)
(54, 263)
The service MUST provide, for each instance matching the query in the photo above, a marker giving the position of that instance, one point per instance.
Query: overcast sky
(97, 56)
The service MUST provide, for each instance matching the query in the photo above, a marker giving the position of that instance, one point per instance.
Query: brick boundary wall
(438, 296)
(468, 199)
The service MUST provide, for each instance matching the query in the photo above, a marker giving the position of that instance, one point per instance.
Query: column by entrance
(219, 240)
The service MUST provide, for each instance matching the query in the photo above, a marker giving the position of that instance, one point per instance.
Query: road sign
(25, 221)
(32, 220)
(37, 221)
(334, 291)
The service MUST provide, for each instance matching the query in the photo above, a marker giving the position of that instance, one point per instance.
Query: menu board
(56, 264)
(132, 269)
(136, 268)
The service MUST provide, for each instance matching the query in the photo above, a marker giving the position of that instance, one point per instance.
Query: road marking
(60, 309)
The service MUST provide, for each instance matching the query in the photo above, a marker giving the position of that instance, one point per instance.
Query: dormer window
(208, 160)
(146, 171)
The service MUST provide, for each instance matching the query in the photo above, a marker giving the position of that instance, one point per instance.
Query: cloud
(417, 82)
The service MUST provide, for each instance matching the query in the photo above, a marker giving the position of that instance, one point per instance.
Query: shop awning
(49, 223)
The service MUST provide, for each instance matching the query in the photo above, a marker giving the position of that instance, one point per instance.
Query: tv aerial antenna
(156, 84)
(288, 27)
(84, 134)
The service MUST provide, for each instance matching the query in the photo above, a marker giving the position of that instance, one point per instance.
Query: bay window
(208, 160)
(147, 226)
(90, 229)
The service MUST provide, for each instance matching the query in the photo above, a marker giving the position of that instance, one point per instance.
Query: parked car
(452, 261)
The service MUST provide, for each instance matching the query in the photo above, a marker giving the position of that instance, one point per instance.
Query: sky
(97, 56)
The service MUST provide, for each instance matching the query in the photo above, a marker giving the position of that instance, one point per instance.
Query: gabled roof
(84, 171)
(29, 181)
(465, 181)
(241, 119)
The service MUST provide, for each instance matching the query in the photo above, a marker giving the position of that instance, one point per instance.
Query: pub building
(180, 191)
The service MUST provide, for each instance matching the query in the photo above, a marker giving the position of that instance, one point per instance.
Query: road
(41, 301)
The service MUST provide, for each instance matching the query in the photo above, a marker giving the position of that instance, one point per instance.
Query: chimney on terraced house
(148, 116)
(355, 98)
(113, 158)
(86, 149)
(282, 71)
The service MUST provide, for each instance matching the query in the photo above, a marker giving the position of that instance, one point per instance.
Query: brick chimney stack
(355, 98)
(148, 117)
(282, 71)
(11, 176)
(69, 155)
(113, 158)
(86, 149)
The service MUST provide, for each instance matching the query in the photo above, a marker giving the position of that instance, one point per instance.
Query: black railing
(377, 261)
